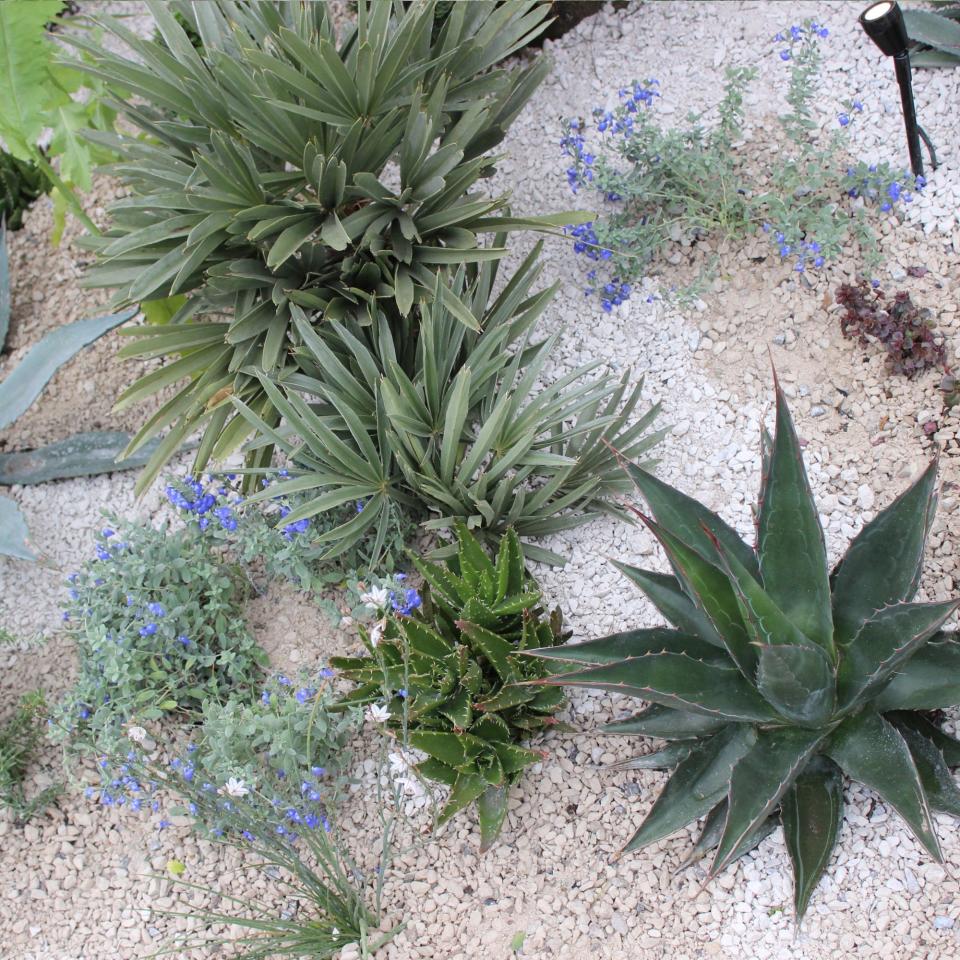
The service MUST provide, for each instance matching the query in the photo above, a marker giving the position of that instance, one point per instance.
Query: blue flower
(885, 206)
(282, 680)
(893, 191)
(157, 609)
(318, 771)
(402, 693)
(843, 119)
(149, 630)
(327, 673)
(305, 694)
(184, 640)
(265, 698)
(103, 554)
(784, 55)
(106, 532)
(857, 105)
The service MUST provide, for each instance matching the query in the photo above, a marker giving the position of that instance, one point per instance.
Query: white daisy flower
(136, 734)
(235, 788)
(376, 633)
(377, 598)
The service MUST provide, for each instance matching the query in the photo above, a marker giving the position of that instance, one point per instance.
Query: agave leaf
(688, 519)
(713, 593)
(634, 643)
(492, 810)
(934, 30)
(883, 563)
(873, 751)
(467, 788)
(758, 782)
(666, 723)
(938, 784)
(947, 745)
(811, 812)
(883, 643)
(676, 680)
(25, 382)
(697, 785)
(665, 593)
(799, 682)
(712, 831)
(929, 680)
(13, 532)
(666, 758)
(790, 544)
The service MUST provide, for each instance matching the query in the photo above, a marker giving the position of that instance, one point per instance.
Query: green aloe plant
(284, 169)
(455, 420)
(779, 677)
(452, 672)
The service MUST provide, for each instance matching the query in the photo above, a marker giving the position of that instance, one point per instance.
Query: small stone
(818, 411)
(943, 923)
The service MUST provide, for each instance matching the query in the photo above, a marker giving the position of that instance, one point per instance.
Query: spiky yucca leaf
(452, 673)
(286, 167)
(453, 422)
(799, 678)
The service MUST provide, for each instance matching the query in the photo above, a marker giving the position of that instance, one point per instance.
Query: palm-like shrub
(779, 676)
(279, 167)
(450, 672)
(452, 421)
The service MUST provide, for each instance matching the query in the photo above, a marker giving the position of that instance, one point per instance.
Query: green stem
(67, 192)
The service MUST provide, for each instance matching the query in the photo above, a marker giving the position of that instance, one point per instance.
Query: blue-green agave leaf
(811, 812)
(883, 563)
(873, 751)
(758, 782)
(935, 776)
(799, 682)
(929, 680)
(667, 723)
(13, 532)
(790, 544)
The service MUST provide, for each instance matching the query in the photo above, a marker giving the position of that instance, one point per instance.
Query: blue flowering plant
(660, 188)
(157, 617)
(259, 533)
(442, 670)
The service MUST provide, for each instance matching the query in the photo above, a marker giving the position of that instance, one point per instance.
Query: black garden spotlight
(883, 24)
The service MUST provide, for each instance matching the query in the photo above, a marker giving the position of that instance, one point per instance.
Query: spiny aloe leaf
(758, 782)
(509, 566)
(665, 593)
(697, 784)
(811, 811)
(688, 518)
(675, 680)
(511, 695)
(13, 532)
(947, 745)
(23, 384)
(492, 811)
(883, 563)
(929, 680)
(938, 783)
(883, 643)
(633, 643)
(82, 455)
(466, 789)
(799, 682)
(4, 288)
(666, 723)
(492, 646)
(790, 545)
(711, 590)
(873, 751)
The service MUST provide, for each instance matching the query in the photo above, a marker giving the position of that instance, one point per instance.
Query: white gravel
(550, 877)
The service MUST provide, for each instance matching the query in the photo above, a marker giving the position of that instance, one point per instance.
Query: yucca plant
(278, 167)
(779, 677)
(450, 675)
(453, 422)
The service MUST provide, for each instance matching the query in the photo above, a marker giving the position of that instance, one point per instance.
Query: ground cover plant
(158, 622)
(662, 186)
(267, 184)
(779, 677)
(445, 672)
(905, 330)
(20, 735)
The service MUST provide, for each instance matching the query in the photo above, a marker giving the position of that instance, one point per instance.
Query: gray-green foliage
(286, 167)
(778, 676)
(158, 622)
(20, 735)
(938, 32)
(459, 421)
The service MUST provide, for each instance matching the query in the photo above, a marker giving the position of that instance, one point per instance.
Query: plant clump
(662, 187)
(779, 677)
(446, 670)
(905, 330)
(158, 622)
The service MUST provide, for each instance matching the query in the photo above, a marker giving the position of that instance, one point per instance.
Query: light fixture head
(883, 24)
